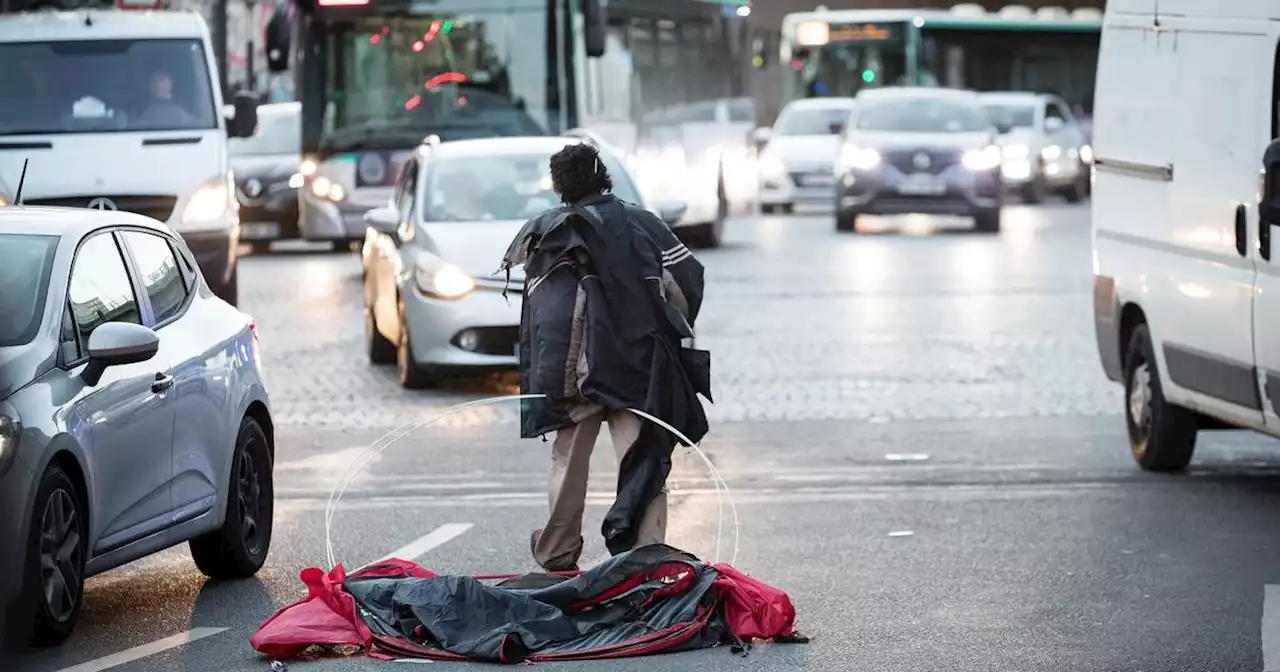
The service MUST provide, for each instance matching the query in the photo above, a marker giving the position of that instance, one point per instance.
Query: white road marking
(902, 533)
(1271, 628)
(437, 537)
(140, 652)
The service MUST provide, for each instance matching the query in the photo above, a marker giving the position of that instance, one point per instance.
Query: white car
(797, 163)
(1045, 150)
(434, 303)
(1186, 285)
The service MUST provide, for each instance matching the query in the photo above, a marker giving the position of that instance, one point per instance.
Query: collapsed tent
(650, 600)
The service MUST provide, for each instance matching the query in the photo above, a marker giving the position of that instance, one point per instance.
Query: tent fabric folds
(650, 600)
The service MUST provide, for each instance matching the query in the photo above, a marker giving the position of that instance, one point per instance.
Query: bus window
(869, 57)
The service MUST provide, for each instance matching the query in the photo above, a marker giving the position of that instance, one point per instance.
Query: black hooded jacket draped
(597, 329)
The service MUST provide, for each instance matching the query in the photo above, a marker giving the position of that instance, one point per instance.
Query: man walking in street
(610, 294)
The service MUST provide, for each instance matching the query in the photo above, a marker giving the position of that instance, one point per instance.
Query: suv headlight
(442, 280)
(211, 206)
(982, 159)
(10, 432)
(858, 158)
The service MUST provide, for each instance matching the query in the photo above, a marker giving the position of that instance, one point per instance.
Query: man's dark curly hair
(578, 172)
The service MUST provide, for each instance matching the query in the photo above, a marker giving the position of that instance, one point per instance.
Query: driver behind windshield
(161, 110)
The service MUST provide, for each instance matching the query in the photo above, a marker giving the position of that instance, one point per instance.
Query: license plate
(817, 180)
(922, 185)
(260, 230)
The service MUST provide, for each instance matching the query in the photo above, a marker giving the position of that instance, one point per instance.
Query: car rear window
(24, 285)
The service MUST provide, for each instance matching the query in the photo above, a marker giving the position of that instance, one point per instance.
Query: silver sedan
(434, 304)
(133, 415)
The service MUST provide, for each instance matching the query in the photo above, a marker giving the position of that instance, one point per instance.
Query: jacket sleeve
(682, 274)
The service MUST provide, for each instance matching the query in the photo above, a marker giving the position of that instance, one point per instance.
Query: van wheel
(238, 549)
(50, 601)
(1162, 436)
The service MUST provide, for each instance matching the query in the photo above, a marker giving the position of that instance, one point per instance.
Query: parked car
(266, 166)
(433, 302)
(1043, 147)
(1186, 199)
(795, 165)
(133, 414)
(919, 150)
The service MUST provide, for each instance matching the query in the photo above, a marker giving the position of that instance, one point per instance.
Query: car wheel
(381, 349)
(1079, 189)
(987, 221)
(54, 588)
(239, 548)
(768, 209)
(847, 221)
(787, 208)
(412, 376)
(1162, 436)
(1035, 191)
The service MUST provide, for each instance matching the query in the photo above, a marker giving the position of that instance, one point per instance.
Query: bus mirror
(277, 41)
(593, 19)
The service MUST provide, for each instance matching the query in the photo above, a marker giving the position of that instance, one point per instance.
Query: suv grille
(939, 160)
(156, 207)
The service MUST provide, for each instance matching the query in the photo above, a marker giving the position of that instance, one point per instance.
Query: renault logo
(921, 161)
(102, 203)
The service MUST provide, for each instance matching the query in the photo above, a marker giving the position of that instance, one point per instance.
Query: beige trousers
(559, 546)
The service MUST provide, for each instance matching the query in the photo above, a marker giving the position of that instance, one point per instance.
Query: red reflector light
(342, 3)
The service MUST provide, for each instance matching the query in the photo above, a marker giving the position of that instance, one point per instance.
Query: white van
(120, 110)
(1186, 281)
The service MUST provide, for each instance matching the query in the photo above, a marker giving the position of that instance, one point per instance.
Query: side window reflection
(100, 290)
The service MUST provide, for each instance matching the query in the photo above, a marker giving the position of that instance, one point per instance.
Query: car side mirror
(672, 211)
(116, 344)
(245, 121)
(383, 220)
(1053, 124)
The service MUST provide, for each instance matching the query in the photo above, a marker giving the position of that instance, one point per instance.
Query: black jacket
(602, 263)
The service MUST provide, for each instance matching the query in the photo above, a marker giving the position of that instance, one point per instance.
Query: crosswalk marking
(420, 546)
(140, 652)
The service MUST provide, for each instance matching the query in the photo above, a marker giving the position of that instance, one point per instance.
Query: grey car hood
(897, 140)
(475, 247)
(20, 365)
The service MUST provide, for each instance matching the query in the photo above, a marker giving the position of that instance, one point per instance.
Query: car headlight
(771, 166)
(323, 187)
(10, 431)
(1051, 153)
(1086, 153)
(442, 280)
(211, 205)
(858, 158)
(982, 159)
(1016, 151)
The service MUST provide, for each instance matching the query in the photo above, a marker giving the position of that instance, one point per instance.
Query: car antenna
(21, 180)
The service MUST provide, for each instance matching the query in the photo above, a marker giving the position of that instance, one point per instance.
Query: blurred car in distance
(1043, 148)
(265, 166)
(133, 414)
(434, 304)
(796, 163)
(919, 150)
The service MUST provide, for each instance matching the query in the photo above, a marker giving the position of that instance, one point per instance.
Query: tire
(60, 506)
(847, 221)
(1034, 191)
(1163, 436)
(987, 221)
(787, 208)
(768, 209)
(239, 548)
(1079, 189)
(412, 376)
(381, 350)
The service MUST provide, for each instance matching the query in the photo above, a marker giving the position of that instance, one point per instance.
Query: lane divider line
(140, 652)
(419, 547)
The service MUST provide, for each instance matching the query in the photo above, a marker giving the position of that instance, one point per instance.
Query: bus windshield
(482, 74)
(100, 86)
(867, 57)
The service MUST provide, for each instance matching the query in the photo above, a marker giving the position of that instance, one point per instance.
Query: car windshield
(24, 284)
(503, 186)
(1011, 115)
(812, 121)
(477, 75)
(922, 115)
(103, 86)
(278, 132)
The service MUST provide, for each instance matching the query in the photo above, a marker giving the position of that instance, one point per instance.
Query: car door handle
(163, 382)
(1242, 231)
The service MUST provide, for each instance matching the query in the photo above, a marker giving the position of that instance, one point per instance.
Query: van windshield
(105, 86)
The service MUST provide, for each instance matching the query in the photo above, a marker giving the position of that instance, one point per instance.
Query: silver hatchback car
(133, 415)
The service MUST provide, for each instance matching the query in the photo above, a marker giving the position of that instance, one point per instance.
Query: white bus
(838, 53)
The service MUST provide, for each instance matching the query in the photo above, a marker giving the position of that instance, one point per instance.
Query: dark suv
(919, 150)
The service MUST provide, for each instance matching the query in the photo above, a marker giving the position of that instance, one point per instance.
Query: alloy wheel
(61, 554)
(249, 494)
(1140, 399)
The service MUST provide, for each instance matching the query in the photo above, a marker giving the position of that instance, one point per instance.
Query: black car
(919, 151)
(265, 167)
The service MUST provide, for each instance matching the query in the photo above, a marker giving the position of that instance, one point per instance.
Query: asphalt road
(918, 438)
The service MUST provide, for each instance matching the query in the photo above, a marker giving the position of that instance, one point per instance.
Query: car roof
(932, 92)
(1025, 97)
(534, 144)
(833, 103)
(69, 222)
(100, 24)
